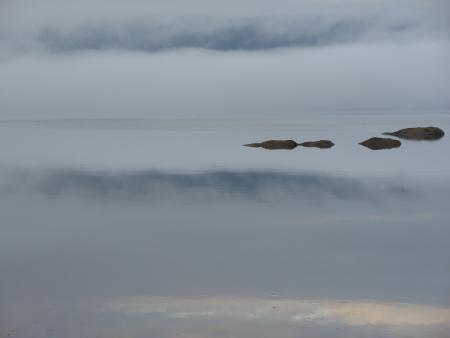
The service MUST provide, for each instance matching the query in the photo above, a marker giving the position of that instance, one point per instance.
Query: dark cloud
(241, 35)
(250, 34)
(223, 26)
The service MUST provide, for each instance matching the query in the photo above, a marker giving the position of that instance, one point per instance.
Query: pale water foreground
(170, 228)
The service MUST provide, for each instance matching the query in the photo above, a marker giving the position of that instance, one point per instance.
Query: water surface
(170, 228)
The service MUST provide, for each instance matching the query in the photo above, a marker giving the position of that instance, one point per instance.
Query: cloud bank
(116, 59)
(251, 34)
(226, 26)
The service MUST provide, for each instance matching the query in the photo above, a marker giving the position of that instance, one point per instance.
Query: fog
(62, 26)
(129, 207)
(179, 59)
(59, 26)
(208, 84)
(223, 34)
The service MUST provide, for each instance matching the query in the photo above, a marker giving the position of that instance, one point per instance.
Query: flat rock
(377, 143)
(274, 144)
(418, 133)
(322, 144)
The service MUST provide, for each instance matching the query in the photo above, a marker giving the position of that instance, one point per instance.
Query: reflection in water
(107, 250)
(280, 309)
(255, 185)
(79, 247)
(270, 317)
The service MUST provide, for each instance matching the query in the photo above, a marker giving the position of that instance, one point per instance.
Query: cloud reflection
(160, 185)
(290, 310)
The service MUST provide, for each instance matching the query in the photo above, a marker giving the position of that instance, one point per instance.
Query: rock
(290, 144)
(418, 133)
(322, 144)
(274, 144)
(377, 143)
(253, 145)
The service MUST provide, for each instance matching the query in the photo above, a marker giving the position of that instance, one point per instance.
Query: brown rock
(322, 144)
(253, 145)
(377, 143)
(418, 133)
(274, 144)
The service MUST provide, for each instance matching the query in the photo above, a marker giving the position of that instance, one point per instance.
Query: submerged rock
(418, 133)
(377, 143)
(322, 144)
(274, 144)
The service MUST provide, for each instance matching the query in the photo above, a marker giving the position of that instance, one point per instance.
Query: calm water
(170, 228)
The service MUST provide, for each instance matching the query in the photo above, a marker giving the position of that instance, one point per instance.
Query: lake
(171, 228)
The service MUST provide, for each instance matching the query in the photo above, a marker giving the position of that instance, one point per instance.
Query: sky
(124, 59)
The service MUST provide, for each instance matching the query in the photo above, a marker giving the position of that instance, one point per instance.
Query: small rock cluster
(374, 143)
(290, 144)
(417, 134)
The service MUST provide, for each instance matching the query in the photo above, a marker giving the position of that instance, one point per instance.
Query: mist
(178, 59)
(193, 83)
(131, 209)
